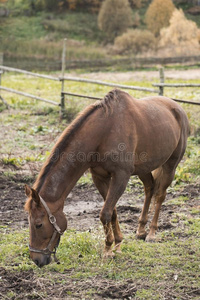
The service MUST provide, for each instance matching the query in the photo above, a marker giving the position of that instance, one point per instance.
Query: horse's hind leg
(163, 177)
(148, 182)
(112, 229)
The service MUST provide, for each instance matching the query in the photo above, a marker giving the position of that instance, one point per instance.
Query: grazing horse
(115, 138)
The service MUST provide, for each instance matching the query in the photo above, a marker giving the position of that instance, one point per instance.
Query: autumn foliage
(115, 16)
(158, 15)
(135, 42)
(181, 37)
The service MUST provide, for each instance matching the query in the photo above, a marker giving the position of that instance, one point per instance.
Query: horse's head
(46, 225)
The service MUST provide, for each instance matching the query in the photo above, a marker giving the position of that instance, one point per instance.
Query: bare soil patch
(84, 203)
(188, 74)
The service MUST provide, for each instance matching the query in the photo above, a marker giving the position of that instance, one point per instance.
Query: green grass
(70, 25)
(173, 261)
(23, 28)
(38, 36)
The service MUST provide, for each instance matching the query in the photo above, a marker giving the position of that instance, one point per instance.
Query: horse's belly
(147, 167)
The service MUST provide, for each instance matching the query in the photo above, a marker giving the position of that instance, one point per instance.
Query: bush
(181, 36)
(88, 5)
(135, 3)
(135, 41)
(51, 4)
(158, 15)
(136, 20)
(115, 16)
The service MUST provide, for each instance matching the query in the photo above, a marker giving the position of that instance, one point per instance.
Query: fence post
(162, 80)
(1, 64)
(1, 72)
(62, 100)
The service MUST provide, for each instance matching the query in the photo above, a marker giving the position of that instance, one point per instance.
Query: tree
(158, 15)
(115, 16)
(181, 37)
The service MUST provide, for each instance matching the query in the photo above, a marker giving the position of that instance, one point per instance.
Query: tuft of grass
(178, 201)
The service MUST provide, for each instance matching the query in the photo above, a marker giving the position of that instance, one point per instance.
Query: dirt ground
(83, 205)
(82, 208)
(145, 75)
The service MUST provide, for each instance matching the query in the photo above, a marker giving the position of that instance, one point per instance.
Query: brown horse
(116, 138)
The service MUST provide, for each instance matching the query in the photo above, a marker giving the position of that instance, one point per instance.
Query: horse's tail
(182, 119)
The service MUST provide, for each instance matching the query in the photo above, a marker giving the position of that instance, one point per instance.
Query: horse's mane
(68, 133)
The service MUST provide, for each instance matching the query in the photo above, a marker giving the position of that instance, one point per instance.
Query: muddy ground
(82, 209)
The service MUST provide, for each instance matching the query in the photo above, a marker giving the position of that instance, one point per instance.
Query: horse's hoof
(141, 236)
(119, 251)
(150, 239)
(117, 248)
(108, 254)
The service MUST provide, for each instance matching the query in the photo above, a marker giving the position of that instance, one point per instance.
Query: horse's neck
(74, 160)
(62, 178)
(67, 170)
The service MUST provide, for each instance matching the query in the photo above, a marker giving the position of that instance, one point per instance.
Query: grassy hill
(41, 35)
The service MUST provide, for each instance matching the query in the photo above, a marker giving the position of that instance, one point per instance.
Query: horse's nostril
(36, 261)
(48, 260)
(44, 261)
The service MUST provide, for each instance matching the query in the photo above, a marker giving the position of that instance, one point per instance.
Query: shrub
(135, 41)
(115, 16)
(158, 15)
(136, 20)
(89, 5)
(135, 3)
(181, 36)
(51, 4)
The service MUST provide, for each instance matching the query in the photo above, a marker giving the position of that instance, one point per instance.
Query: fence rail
(82, 96)
(98, 82)
(28, 95)
(186, 102)
(176, 85)
(162, 85)
(9, 69)
(29, 73)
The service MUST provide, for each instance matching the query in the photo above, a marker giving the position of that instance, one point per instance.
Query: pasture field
(167, 269)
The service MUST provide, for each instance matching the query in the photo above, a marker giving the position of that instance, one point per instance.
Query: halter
(57, 229)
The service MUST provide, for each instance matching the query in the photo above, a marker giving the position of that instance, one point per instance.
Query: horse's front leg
(116, 188)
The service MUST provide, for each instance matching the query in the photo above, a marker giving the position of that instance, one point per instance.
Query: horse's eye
(38, 226)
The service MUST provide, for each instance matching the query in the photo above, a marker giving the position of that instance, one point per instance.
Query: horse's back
(162, 108)
(153, 126)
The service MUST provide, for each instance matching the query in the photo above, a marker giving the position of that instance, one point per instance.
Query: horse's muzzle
(42, 260)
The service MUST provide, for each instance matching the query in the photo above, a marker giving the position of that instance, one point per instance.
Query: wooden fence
(52, 64)
(162, 85)
(8, 69)
(63, 78)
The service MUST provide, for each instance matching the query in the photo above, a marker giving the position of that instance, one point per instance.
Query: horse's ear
(33, 194)
(28, 190)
